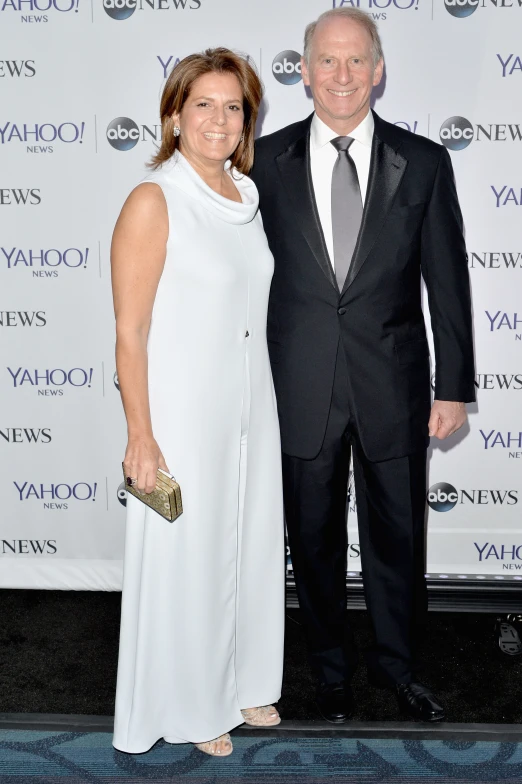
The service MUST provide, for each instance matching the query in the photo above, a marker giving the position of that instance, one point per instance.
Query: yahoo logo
(506, 440)
(81, 491)
(500, 320)
(67, 132)
(166, 64)
(510, 66)
(507, 196)
(76, 377)
(71, 257)
(401, 5)
(501, 552)
(23, 6)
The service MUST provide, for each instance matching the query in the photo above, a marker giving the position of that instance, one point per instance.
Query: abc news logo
(461, 8)
(26, 435)
(286, 67)
(442, 497)
(23, 196)
(29, 546)
(22, 318)
(494, 381)
(495, 260)
(122, 9)
(457, 133)
(17, 68)
(122, 494)
(123, 133)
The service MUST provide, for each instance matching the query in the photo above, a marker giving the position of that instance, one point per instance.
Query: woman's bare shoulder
(145, 209)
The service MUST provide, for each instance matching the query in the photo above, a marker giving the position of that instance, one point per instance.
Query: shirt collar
(321, 134)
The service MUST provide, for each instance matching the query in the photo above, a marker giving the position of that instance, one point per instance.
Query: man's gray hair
(347, 12)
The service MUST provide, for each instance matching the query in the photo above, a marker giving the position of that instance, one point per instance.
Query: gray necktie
(346, 208)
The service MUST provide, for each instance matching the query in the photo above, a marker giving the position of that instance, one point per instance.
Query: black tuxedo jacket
(411, 225)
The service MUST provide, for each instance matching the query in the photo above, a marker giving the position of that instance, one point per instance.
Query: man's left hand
(446, 418)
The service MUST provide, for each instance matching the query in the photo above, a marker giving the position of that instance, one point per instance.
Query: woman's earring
(242, 138)
(177, 130)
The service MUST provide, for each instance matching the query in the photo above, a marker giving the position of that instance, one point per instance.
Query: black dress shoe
(418, 702)
(334, 702)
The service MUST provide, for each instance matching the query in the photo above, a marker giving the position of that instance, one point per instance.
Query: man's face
(341, 73)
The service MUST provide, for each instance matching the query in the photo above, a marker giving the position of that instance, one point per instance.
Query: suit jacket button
(341, 311)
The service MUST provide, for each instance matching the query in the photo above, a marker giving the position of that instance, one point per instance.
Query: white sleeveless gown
(203, 597)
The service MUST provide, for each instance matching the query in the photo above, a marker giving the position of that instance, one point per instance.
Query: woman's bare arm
(137, 259)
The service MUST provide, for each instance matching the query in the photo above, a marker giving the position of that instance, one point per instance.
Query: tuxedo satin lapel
(387, 169)
(294, 168)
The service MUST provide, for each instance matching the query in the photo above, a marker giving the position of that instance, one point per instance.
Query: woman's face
(212, 118)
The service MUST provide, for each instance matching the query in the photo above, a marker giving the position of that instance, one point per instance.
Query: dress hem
(176, 742)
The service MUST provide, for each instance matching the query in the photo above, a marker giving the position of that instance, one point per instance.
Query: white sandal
(264, 716)
(210, 746)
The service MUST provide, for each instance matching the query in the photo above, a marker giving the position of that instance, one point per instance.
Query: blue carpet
(67, 757)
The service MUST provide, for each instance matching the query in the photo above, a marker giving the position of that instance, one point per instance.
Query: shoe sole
(332, 721)
(435, 720)
(509, 641)
(264, 726)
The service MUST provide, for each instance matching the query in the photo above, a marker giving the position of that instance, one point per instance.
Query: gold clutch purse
(165, 499)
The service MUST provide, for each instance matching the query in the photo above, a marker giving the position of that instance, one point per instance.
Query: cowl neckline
(179, 170)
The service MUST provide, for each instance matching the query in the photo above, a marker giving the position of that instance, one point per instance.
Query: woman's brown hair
(177, 90)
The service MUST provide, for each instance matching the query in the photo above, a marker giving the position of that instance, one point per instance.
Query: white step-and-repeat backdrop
(80, 82)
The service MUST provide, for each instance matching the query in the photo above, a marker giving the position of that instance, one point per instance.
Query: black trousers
(391, 498)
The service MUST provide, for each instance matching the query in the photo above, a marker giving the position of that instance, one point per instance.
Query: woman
(203, 597)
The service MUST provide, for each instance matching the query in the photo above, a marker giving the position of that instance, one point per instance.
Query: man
(355, 210)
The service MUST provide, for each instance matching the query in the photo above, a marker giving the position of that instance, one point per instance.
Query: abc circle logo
(286, 67)
(119, 9)
(456, 133)
(123, 134)
(122, 494)
(461, 8)
(442, 497)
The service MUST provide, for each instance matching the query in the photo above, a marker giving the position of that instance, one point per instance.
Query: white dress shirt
(323, 156)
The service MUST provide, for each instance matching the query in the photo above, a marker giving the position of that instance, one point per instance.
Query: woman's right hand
(142, 460)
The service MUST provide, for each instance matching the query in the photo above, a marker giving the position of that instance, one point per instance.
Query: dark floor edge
(404, 730)
(61, 722)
